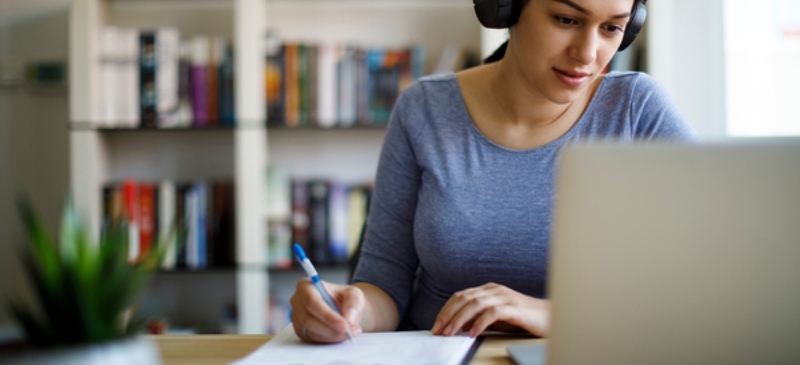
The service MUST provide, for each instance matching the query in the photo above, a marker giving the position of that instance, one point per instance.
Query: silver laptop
(666, 254)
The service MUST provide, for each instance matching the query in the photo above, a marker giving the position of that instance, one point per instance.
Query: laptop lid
(669, 254)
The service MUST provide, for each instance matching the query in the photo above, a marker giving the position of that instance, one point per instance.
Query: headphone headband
(499, 14)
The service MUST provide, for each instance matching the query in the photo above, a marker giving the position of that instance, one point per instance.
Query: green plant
(83, 288)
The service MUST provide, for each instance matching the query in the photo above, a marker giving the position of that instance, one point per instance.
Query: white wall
(34, 143)
(685, 54)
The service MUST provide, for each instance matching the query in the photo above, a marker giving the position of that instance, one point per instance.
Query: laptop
(675, 254)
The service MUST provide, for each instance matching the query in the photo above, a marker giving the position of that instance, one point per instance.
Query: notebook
(670, 254)
(406, 348)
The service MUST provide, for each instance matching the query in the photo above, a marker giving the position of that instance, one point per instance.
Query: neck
(517, 103)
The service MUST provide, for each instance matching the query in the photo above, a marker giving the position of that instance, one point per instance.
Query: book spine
(167, 223)
(130, 193)
(326, 76)
(182, 227)
(226, 89)
(148, 95)
(300, 214)
(318, 222)
(167, 76)
(199, 82)
(312, 84)
(201, 189)
(364, 84)
(302, 83)
(191, 210)
(147, 218)
(347, 86)
(292, 91)
(216, 53)
(338, 229)
(275, 79)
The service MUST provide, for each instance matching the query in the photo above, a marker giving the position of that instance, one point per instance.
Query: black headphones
(500, 14)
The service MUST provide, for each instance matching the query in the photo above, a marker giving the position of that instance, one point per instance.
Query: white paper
(407, 348)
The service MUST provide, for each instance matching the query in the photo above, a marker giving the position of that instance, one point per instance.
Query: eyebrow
(587, 12)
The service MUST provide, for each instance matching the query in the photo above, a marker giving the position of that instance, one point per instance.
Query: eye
(565, 21)
(614, 29)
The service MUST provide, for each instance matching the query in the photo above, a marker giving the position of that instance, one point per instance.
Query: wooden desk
(223, 349)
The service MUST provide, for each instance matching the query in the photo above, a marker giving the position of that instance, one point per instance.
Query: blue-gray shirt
(453, 210)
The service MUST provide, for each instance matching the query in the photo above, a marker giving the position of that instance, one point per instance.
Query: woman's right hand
(314, 321)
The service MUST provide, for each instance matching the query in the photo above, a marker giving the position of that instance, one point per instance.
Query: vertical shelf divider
(251, 162)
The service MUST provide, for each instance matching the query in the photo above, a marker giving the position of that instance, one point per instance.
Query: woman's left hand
(476, 309)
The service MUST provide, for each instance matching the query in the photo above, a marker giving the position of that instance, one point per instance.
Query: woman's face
(561, 46)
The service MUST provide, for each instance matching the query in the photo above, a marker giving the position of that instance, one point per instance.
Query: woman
(458, 230)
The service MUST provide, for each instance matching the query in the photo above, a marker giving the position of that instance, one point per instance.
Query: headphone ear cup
(635, 24)
(497, 14)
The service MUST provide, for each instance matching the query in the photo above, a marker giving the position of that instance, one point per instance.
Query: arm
(388, 262)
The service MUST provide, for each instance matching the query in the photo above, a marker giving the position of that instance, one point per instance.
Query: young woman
(459, 226)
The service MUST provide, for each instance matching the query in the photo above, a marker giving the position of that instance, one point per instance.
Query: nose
(584, 47)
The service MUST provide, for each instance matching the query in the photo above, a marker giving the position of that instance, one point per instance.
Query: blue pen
(312, 274)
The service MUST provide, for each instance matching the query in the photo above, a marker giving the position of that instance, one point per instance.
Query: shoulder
(428, 98)
(640, 105)
(631, 81)
(437, 86)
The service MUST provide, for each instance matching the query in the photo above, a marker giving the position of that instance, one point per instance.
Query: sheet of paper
(407, 348)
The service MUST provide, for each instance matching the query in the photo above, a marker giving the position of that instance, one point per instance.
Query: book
(300, 214)
(222, 230)
(212, 87)
(347, 86)
(147, 218)
(326, 88)
(226, 89)
(356, 217)
(167, 72)
(200, 52)
(130, 198)
(292, 84)
(400, 347)
(167, 223)
(148, 62)
(318, 229)
(338, 225)
(274, 79)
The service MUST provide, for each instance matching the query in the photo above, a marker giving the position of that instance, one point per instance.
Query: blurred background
(256, 123)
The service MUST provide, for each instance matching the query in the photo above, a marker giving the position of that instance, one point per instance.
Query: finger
(450, 308)
(312, 303)
(308, 303)
(453, 305)
(352, 304)
(468, 313)
(484, 320)
(317, 331)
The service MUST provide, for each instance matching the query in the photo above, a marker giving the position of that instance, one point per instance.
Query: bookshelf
(350, 154)
(100, 154)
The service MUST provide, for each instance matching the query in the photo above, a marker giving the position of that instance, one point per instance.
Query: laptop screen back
(666, 254)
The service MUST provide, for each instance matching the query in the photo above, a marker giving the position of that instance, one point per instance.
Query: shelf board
(212, 270)
(296, 268)
(85, 127)
(373, 126)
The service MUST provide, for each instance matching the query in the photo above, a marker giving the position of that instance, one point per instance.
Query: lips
(571, 77)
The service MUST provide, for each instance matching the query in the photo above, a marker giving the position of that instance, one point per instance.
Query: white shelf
(99, 156)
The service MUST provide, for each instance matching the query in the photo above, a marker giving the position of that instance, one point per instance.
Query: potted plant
(84, 291)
